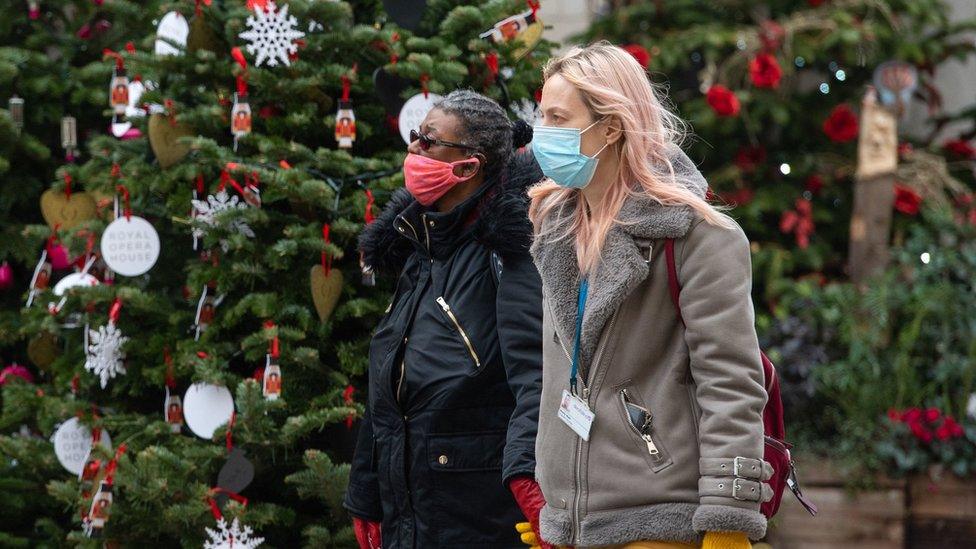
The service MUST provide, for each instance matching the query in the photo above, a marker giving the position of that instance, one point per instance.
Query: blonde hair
(615, 86)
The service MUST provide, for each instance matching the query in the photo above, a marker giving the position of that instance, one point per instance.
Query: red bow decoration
(799, 222)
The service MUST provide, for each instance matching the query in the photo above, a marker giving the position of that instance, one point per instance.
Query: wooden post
(874, 196)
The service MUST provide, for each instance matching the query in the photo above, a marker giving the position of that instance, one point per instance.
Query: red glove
(529, 497)
(367, 533)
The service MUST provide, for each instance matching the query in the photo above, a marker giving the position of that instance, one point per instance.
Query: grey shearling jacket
(676, 446)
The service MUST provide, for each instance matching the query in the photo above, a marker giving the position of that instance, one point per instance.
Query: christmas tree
(222, 264)
(47, 94)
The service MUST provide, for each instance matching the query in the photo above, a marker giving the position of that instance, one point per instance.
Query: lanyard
(580, 305)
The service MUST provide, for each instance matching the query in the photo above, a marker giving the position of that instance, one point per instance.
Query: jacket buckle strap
(739, 488)
(742, 467)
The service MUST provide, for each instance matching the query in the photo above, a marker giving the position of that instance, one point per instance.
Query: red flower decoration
(841, 126)
(771, 35)
(722, 100)
(960, 148)
(920, 432)
(912, 415)
(907, 201)
(814, 182)
(640, 53)
(764, 71)
(932, 415)
(748, 159)
(955, 430)
(799, 222)
(894, 415)
(15, 370)
(738, 197)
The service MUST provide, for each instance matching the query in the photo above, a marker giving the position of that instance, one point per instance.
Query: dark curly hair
(485, 125)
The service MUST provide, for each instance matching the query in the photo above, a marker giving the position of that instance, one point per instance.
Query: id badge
(575, 413)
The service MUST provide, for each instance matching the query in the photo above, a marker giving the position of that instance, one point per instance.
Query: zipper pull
(443, 304)
(651, 448)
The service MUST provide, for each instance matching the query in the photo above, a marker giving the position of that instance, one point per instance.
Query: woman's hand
(367, 533)
(529, 497)
(726, 540)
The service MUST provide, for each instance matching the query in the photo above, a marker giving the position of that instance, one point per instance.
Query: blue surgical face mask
(557, 150)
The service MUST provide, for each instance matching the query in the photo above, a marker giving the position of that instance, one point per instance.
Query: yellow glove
(726, 540)
(528, 536)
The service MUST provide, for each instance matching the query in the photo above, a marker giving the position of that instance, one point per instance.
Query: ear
(470, 169)
(614, 131)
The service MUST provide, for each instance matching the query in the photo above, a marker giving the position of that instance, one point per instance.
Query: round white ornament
(74, 280)
(206, 407)
(413, 113)
(130, 245)
(174, 27)
(72, 444)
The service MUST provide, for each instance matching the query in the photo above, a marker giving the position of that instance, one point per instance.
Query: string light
(840, 75)
(784, 168)
(799, 61)
(824, 88)
(925, 257)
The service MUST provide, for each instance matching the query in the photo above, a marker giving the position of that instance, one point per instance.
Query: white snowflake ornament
(105, 356)
(271, 35)
(235, 536)
(207, 212)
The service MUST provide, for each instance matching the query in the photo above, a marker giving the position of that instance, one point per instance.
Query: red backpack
(777, 450)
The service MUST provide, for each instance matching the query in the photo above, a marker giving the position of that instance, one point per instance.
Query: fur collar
(500, 219)
(642, 219)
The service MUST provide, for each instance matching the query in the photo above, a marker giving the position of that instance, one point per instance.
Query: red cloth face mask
(428, 179)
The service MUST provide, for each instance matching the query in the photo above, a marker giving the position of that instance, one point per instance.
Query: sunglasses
(426, 141)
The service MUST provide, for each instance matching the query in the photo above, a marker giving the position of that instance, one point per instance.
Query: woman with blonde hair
(650, 424)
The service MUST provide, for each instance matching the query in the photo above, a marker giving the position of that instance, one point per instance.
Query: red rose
(771, 34)
(814, 183)
(960, 148)
(907, 201)
(932, 415)
(764, 71)
(640, 53)
(912, 415)
(953, 428)
(841, 125)
(722, 100)
(943, 432)
(749, 158)
(738, 197)
(920, 432)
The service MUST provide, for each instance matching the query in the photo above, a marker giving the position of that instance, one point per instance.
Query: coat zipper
(577, 497)
(464, 335)
(645, 431)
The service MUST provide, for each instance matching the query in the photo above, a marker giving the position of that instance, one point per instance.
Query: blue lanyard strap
(580, 305)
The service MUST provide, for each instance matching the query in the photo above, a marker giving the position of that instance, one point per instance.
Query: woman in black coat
(445, 456)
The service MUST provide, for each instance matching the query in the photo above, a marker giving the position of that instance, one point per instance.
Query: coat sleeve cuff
(723, 518)
(518, 461)
(363, 503)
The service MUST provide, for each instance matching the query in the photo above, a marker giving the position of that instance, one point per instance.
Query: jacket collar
(496, 216)
(626, 263)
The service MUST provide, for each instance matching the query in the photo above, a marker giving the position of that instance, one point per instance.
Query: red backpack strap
(673, 284)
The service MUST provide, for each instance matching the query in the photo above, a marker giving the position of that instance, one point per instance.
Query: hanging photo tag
(119, 92)
(72, 444)
(41, 278)
(413, 113)
(130, 245)
(272, 379)
(206, 407)
(345, 130)
(240, 118)
(173, 411)
(98, 514)
(205, 311)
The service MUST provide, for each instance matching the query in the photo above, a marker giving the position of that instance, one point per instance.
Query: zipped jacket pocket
(640, 423)
(460, 331)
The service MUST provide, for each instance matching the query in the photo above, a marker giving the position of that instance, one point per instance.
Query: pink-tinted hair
(614, 85)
